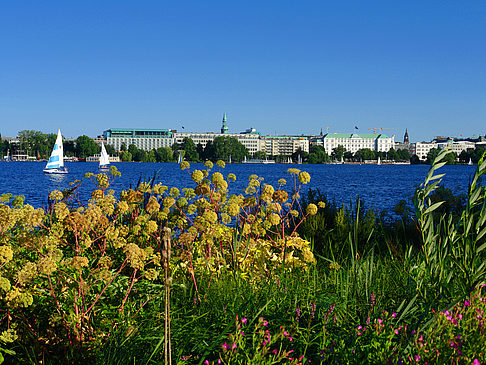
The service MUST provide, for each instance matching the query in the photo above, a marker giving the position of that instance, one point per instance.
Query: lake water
(379, 186)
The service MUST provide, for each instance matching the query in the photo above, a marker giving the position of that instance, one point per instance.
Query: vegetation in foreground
(199, 276)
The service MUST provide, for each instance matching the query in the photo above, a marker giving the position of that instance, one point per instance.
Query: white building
(283, 145)
(457, 146)
(355, 141)
(143, 139)
(423, 148)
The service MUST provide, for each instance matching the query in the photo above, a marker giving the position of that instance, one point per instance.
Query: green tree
(317, 154)
(299, 152)
(225, 147)
(164, 154)
(111, 150)
(403, 154)
(126, 156)
(364, 154)
(189, 148)
(260, 155)
(338, 152)
(86, 146)
(415, 160)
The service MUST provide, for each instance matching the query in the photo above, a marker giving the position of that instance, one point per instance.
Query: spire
(405, 137)
(224, 127)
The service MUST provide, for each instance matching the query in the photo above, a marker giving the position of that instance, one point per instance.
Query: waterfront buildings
(353, 142)
(143, 139)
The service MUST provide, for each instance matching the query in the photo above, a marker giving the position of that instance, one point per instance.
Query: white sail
(470, 162)
(244, 160)
(180, 159)
(56, 161)
(379, 160)
(104, 159)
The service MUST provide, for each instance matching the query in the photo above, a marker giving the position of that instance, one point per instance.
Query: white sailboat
(104, 159)
(180, 159)
(244, 160)
(470, 162)
(55, 165)
(299, 159)
(229, 161)
(379, 161)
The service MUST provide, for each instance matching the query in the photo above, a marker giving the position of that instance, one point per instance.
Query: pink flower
(206, 362)
(275, 352)
(394, 314)
(225, 346)
(396, 332)
(380, 321)
(234, 346)
(476, 362)
(467, 303)
(291, 339)
(244, 320)
(417, 358)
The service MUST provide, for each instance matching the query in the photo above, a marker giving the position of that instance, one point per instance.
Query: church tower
(405, 137)
(224, 127)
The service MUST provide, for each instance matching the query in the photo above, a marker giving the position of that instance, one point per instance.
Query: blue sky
(283, 67)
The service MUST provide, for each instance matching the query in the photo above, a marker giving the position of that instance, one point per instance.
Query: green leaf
(433, 207)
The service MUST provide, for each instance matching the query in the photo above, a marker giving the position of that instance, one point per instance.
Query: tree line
(38, 145)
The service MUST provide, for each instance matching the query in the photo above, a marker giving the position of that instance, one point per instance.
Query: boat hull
(55, 171)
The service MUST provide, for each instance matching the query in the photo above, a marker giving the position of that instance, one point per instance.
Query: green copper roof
(356, 135)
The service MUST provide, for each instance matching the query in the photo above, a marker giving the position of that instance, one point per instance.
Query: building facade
(283, 145)
(355, 141)
(144, 139)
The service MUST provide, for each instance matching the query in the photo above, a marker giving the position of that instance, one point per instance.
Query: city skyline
(279, 67)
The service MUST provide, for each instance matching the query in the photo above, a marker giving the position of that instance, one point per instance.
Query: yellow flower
(6, 254)
(168, 201)
(274, 219)
(78, 262)
(55, 195)
(312, 209)
(321, 205)
(304, 177)
(197, 176)
(184, 165)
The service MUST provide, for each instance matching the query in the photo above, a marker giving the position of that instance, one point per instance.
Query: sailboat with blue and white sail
(104, 158)
(55, 165)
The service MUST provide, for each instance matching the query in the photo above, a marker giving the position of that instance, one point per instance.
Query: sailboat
(180, 159)
(244, 160)
(379, 161)
(104, 159)
(55, 165)
(229, 161)
(299, 159)
(470, 162)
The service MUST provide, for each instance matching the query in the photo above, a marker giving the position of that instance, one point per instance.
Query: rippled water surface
(380, 187)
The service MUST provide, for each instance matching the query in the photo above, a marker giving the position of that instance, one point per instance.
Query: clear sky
(283, 67)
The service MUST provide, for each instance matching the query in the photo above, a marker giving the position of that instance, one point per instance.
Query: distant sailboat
(104, 159)
(299, 159)
(55, 165)
(229, 161)
(180, 159)
(379, 161)
(244, 160)
(470, 162)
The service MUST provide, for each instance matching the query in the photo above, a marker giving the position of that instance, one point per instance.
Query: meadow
(198, 276)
